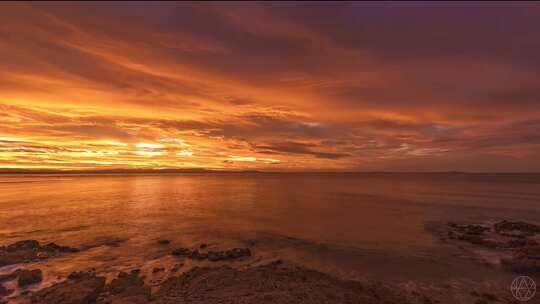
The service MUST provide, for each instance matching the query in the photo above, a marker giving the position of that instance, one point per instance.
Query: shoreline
(274, 282)
(184, 268)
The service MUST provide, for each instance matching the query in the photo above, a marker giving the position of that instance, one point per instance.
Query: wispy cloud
(270, 86)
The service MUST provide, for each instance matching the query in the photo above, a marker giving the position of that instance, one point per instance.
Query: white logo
(523, 288)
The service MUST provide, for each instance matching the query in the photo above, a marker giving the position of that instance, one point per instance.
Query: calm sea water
(354, 225)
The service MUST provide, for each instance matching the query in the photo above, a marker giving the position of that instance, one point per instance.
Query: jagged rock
(29, 251)
(28, 277)
(126, 288)
(469, 229)
(520, 242)
(213, 256)
(273, 283)
(78, 275)
(496, 238)
(23, 245)
(479, 240)
(125, 281)
(524, 260)
(181, 252)
(236, 253)
(196, 255)
(80, 288)
(4, 291)
(10, 276)
(177, 267)
(53, 247)
(516, 229)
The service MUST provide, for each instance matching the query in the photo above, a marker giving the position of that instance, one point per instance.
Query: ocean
(354, 225)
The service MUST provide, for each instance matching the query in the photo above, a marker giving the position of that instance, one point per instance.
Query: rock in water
(273, 283)
(4, 291)
(181, 252)
(28, 277)
(53, 247)
(525, 260)
(10, 276)
(81, 288)
(213, 256)
(23, 245)
(30, 251)
(516, 229)
(127, 288)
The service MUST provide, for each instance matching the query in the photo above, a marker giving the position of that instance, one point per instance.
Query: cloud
(348, 86)
(298, 148)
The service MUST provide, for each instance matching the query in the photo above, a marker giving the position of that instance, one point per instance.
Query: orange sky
(290, 86)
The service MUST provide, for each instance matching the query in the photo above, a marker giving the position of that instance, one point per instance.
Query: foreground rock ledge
(519, 238)
(273, 283)
(30, 251)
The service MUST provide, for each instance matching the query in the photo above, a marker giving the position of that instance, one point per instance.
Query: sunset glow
(270, 87)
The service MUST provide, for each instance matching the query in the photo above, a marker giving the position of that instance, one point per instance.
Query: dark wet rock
(4, 291)
(53, 247)
(196, 255)
(213, 256)
(469, 228)
(164, 242)
(23, 245)
(177, 267)
(181, 252)
(524, 260)
(236, 253)
(126, 288)
(478, 240)
(502, 236)
(519, 243)
(81, 288)
(273, 283)
(10, 276)
(125, 281)
(516, 229)
(79, 275)
(28, 277)
(203, 245)
(276, 282)
(30, 251)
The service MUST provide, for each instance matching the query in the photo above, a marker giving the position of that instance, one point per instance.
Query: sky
(330, 86)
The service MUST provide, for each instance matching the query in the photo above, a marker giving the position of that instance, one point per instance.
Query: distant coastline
(203, 170)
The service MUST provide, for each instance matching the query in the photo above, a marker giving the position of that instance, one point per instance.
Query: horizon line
(4, 171)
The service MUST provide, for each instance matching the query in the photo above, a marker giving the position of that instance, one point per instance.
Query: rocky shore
(205, 273)
(519, 240)
(31, 251)
(275, 282)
